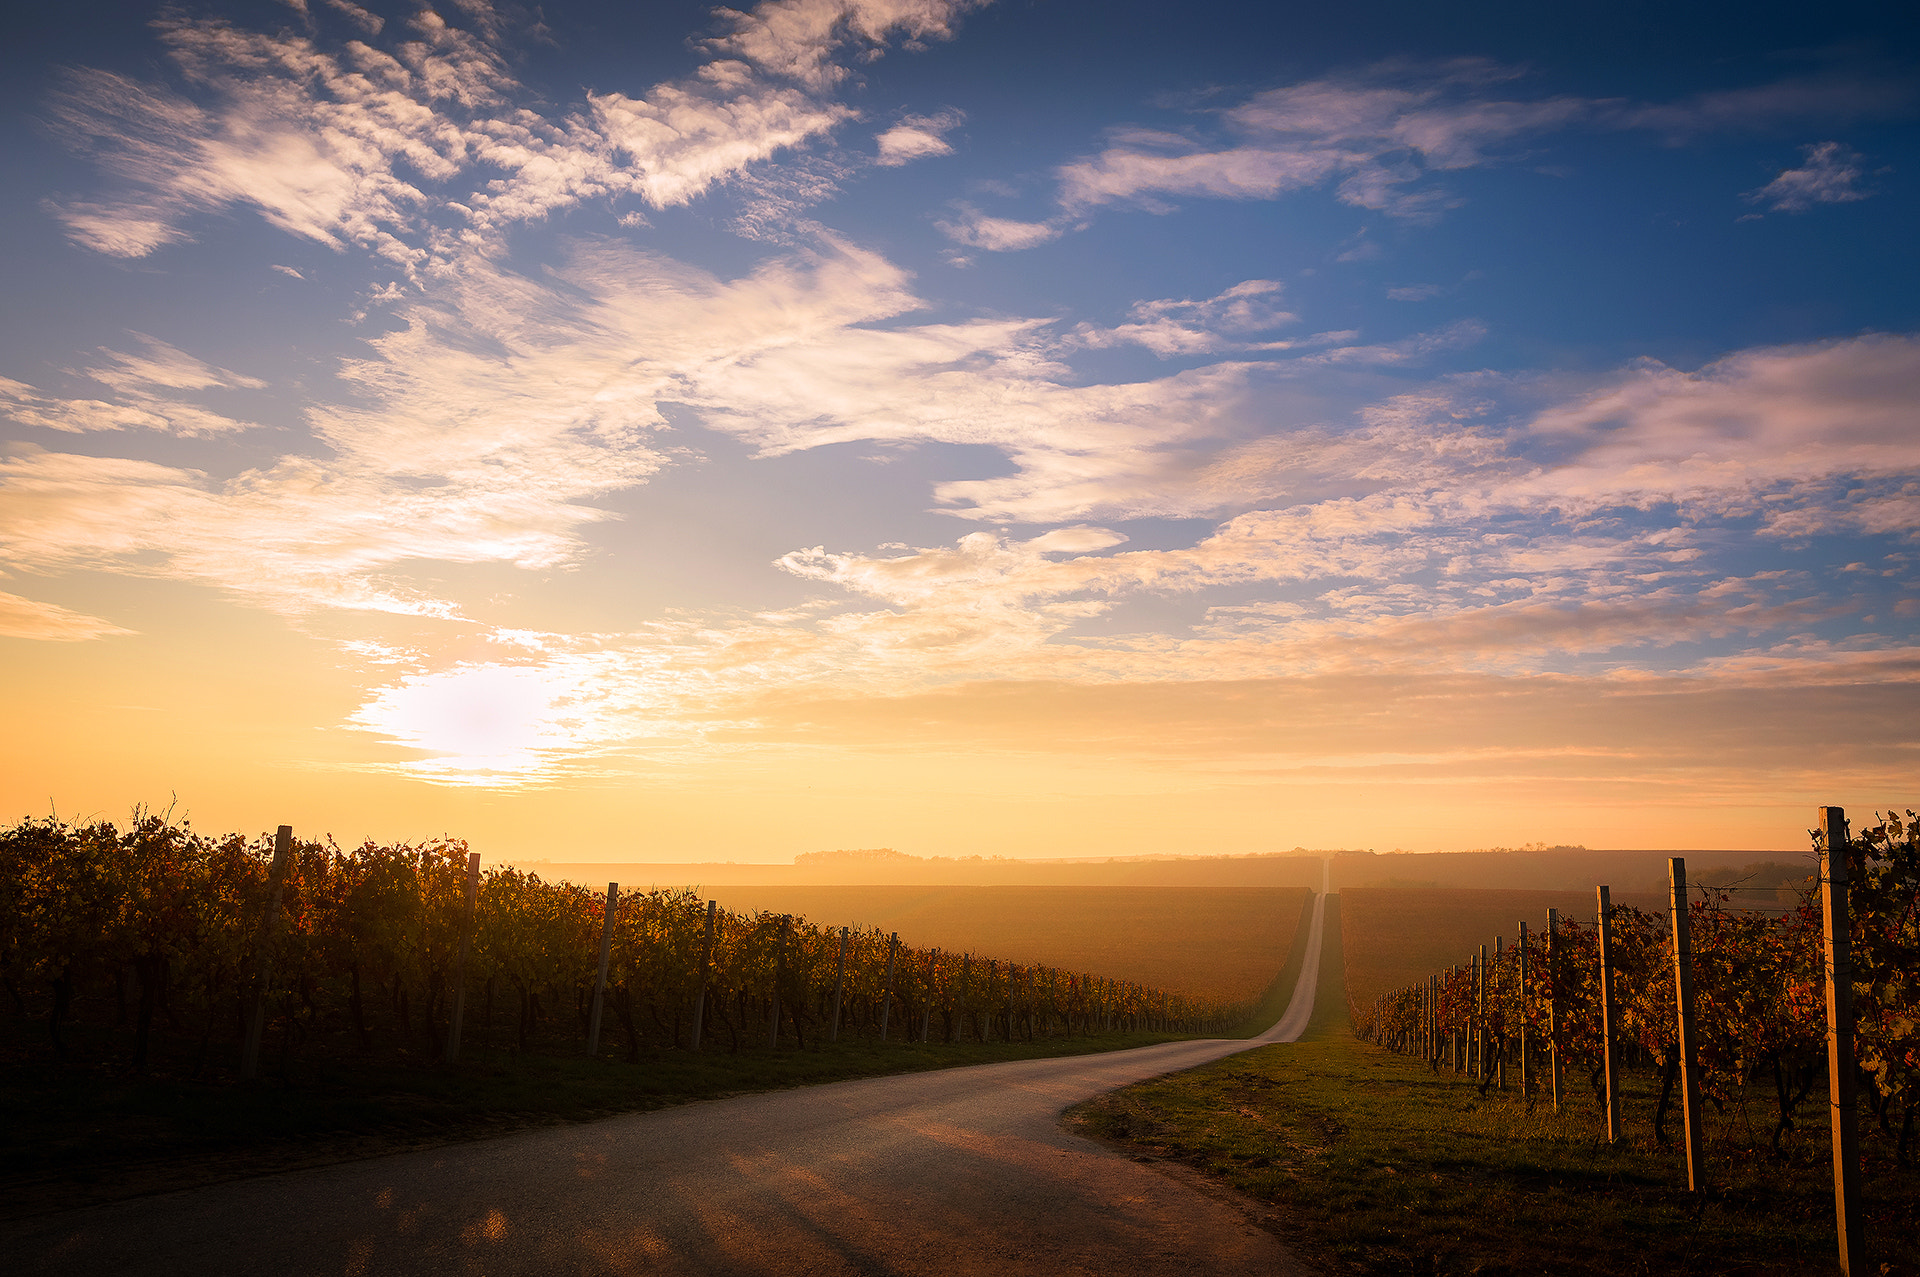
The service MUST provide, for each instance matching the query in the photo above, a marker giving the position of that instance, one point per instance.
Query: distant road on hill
(965, 1171)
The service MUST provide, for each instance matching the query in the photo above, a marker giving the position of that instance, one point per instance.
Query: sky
(613, 431)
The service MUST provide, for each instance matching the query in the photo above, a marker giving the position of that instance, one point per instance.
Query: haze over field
(644, 433)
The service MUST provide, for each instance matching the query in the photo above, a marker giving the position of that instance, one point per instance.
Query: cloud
(49, 622)
(150, 386)
(1169, 327)
(1458, 335)
(1380, 138)
(1840, 95)
(428, 144)
(796, 39)
(371, 23)
(975, 229)
(1495, 537)
(1786, 420)
(917, 137)
(1830, 175)
(159, 366)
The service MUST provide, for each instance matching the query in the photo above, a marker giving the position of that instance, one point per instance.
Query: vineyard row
(388, 947)
(1822, 1003)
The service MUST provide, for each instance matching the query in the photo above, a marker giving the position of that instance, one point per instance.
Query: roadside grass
(1273, 1002)
(1380, 1165)
(76, 1137)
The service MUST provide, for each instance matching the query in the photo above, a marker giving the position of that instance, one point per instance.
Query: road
(962, 1171)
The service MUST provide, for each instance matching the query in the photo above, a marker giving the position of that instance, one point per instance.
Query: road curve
(960, 1171)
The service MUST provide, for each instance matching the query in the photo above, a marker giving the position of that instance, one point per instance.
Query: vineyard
(1717, 1005)
(156, 931)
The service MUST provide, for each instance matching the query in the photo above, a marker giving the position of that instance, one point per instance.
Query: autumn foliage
(154, 929)
(1759, 994)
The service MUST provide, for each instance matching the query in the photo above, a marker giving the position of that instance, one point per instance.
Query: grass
(77, 1136)
(1379, 1165)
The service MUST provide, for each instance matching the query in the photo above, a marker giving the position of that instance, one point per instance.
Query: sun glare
(477, 724)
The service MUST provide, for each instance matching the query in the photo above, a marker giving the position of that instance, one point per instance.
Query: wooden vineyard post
(960, 1001)
(779, 973)
(1553, 1004)
(1609, 1015)
(839, 987)
(926, 1012)
(1526, 1078)
(1456, 1043)
(1843, 1096)
(886, 1002)
(1472, 1064)
(1433, 1020)
(1480, 1014)
(700, 987)
(269, 929)
(1462, 1049)
(460, 964)
(1683, 1008)
(600, 975)
(1493, 989)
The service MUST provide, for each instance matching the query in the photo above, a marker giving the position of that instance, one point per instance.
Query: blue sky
(1037, 424)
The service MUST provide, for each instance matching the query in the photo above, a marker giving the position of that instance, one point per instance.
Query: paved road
(958, 1172)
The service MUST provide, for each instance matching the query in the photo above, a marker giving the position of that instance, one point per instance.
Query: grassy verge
(1273, 1003)
(1380, 1166)
(78, 1137)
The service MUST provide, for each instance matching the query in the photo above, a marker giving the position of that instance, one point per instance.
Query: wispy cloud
(969, 226)
(1226, 322)
(152, 389)
(917, 137)
(1384, 138)
(428, 143)
(1379, 136)
(50, 623)
(1830, 174)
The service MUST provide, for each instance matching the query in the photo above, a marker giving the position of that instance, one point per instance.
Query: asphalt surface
(961, 1171)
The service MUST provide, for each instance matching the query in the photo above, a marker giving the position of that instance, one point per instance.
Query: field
(1218, 944)
(1397, 936)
